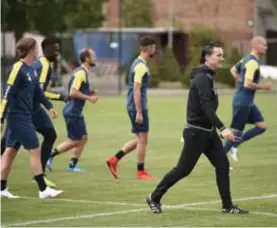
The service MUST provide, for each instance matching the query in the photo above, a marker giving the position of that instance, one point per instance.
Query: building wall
(229, 17)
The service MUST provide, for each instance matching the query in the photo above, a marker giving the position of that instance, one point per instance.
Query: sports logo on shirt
(29, 77)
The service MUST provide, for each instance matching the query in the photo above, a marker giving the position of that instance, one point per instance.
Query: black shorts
(144, 126)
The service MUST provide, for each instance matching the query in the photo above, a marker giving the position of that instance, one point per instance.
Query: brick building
(233, 19)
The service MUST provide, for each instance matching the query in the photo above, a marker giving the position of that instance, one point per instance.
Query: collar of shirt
(44, 58)
(86, 69)
(141, 58)
(257, 57)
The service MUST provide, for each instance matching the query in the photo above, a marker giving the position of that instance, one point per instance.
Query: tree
(137, 13)
(169, 67)
(50, 16)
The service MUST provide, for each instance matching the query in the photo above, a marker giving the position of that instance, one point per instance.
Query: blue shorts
(136, 128)
(41, 119)
(75, 126)
(21, 130)
(244, 114)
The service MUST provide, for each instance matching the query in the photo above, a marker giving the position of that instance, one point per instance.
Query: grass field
(94, 198)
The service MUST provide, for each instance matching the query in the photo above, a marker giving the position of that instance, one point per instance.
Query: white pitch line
(219, 201)
(32, 222)
(140, 204)
(210, 209)
(184, 206)
(87, 201)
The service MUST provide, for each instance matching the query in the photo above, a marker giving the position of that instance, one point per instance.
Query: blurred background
(113, 28)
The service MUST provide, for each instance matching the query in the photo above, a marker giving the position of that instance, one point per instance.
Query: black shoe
(154, 206)
(234, 210)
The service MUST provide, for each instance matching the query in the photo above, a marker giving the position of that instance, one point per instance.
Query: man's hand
(53, 113)
(227, 134)
(93, 99)
(268, 86)
(139, 118)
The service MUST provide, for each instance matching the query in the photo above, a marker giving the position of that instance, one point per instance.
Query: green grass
(108, 126)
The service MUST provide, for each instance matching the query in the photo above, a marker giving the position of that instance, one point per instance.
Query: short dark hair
(24, 46)
(207, 50)
(146, 41)
(84, 53)
(49, 41)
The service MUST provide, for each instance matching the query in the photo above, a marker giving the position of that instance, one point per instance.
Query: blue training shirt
(248, 69)
(139, 72)
(78, 80)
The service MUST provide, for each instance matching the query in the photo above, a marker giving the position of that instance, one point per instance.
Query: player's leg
(142, 140)
(82, 136)
(23, 130)
(77, 151)
(72, 142)
(45, 127)
(3, 141)
(214, 152)
(255, 117)
(239, 120)
(112, 162)
(31, 143)
(11, 148)
(193, 147)
(6, 165)
(29, 140)
(35, 164)
(141, 131)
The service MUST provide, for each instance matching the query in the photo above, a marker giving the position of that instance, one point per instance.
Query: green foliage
(223, 75)
(155, 79)
(199, 37)
(50, 16)
(137, 13)
(169, 67)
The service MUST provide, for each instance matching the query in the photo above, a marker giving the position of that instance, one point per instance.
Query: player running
(79, 91)
(22, 91)
(247, 72)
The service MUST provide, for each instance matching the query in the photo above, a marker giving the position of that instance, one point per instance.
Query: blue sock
(252, 133)
(229, 144)
(239, 135)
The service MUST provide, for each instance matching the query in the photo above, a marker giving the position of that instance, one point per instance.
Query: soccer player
(21, 93)
(79, 92)
(200, 133)
(137, 110)
(247, 72)
(51, 50)
(42, 122)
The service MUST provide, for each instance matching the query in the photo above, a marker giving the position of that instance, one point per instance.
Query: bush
(199, 36)
(169, 67)
(155, 78)
(224, 76)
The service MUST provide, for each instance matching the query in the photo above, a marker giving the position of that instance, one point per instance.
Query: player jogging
(79, 92)
(22, 91)
(247, 72)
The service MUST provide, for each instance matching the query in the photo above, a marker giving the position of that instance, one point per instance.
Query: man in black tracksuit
(200, 135)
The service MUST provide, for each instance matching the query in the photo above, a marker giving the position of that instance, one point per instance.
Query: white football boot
(49, 193)
(6, 194)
